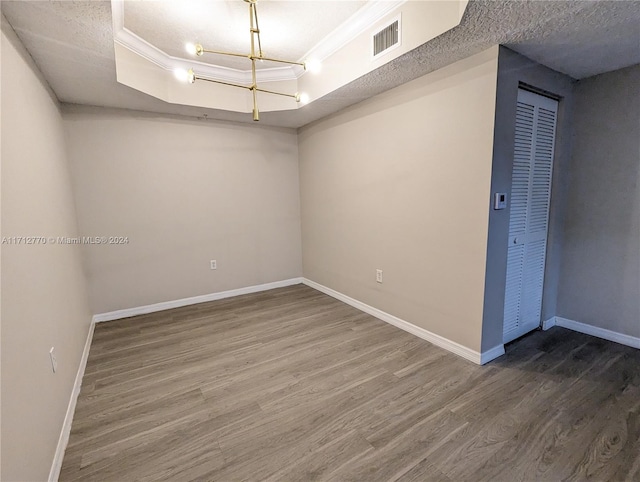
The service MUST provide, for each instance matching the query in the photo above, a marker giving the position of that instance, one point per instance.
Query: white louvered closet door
(530, 195)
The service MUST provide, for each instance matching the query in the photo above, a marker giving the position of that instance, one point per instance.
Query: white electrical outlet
(54, 361)
(379, 275)
(214, 264)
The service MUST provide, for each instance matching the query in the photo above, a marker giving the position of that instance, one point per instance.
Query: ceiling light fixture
(254, 31)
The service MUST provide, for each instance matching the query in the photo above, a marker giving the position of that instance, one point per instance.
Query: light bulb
(194, 49)
(181, 74)
(303, 98)
(313, 65)
(191, 76)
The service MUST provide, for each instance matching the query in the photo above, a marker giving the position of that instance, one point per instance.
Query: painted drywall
(44, 297)
(182, 192)
(514, 69)
(400, 182)
(600, 274)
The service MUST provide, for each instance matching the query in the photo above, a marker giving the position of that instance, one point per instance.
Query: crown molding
(133, 42)
(358, 23)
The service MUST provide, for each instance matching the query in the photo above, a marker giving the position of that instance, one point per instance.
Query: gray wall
(400, 182)
(512, 70)
(183, 192)
(600, 275)
(44, 299)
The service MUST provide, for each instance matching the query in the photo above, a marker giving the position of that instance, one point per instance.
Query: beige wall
(184, 192)
(401, 182)
(44, 301)
(600, 274)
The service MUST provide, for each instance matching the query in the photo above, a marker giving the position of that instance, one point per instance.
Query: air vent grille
(385, 38)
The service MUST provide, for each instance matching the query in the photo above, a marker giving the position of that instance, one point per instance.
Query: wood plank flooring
(292, 385)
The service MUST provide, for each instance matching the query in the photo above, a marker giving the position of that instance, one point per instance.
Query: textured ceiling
(601, 38)
(72, 43)
(288, 30)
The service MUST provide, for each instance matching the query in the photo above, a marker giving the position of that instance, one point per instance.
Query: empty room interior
(361, 240)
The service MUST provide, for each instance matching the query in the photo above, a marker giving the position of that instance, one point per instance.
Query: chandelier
(253, 56)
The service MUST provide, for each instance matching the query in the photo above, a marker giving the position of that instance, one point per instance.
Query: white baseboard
(491, 354)
(167, 305)
(54, 473)
(550, 323)
(603, 333)
(453, 347)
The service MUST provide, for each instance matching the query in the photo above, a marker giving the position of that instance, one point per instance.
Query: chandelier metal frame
(253, 56)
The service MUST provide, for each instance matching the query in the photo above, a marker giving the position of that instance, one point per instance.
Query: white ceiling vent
(387, 38)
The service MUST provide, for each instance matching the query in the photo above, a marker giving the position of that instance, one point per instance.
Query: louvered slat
(521, 168)
(542, 171)
(513, 288)
(529, 212)
(532, 283)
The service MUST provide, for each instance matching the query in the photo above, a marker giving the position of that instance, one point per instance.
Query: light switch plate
(499, 200)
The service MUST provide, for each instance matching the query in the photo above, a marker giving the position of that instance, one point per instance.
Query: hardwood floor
(292, 385)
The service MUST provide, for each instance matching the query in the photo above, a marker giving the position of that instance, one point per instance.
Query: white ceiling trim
(359, 22)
